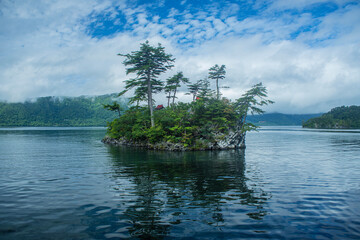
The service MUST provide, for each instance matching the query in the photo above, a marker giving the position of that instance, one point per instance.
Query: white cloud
(302, 4)
(45, 50)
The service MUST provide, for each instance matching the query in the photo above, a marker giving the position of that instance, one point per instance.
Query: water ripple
(288, 184)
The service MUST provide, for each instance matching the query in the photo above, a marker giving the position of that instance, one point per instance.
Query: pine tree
(251, 102)
(194, 89)
(204, 91)
(173, 83)
(147, 63)
(217, 73)
(115, 107)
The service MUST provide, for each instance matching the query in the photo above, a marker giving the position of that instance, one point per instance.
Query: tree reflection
(173, 188)
(346, 143)
(145, 213)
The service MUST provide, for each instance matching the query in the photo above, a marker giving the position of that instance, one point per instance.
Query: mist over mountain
(59, 111)
(89, 111)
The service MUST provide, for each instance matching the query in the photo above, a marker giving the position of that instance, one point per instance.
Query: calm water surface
(63, 183)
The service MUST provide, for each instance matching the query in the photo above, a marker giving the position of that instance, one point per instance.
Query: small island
(345, 117)
(209, 122)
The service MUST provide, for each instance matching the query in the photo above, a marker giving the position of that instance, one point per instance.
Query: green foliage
(339, 117)
(208, 118)
(147, 63)
(182, 123)
(280, 119)
(217, 73)
(115, 107)
(59, 111)
(172, 84)
(251, 102)
(204, 91)
(194, 89)
(155, 134)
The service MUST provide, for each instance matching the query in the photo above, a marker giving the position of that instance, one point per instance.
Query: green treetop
(147, 63)
(208, 123)
(200, 89)
(217, 73)
(205, 92)
(115, 107)
(172, 84)
(194, 89)
(251, 102)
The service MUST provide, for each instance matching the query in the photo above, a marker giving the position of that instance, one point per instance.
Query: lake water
(290, 183)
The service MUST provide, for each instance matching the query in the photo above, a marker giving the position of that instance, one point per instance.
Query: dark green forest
(280, 119)
(345, 117)
(89, 111)
(59, 111)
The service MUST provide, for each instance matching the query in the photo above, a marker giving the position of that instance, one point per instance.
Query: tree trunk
(169, 99)
(240, 135)
(174, 96)
(217, 89)
(244, 119)
(150, 102)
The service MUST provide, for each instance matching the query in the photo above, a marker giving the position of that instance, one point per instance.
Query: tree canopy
(172, 84)
(251, 101)
(217, 73)
(147, 63)
(195, 88)
(345, 117)
(61, 111)
(208, 119)
(115, 107)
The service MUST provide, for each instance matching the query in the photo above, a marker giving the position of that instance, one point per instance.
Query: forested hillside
(280, 119)
(339, 117)
(59, 111)
(89, 111)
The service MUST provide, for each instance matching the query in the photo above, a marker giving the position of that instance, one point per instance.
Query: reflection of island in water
(189, 191)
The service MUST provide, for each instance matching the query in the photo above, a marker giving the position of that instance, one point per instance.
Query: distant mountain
(89, 111)
(59, 111)
(276, 119)
(339, 117)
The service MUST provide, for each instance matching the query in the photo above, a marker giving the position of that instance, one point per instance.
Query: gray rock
(233, 140)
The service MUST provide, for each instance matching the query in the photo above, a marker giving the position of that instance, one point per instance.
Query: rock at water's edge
(230, 141)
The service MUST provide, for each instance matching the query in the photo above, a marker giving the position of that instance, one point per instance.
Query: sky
(305, 52)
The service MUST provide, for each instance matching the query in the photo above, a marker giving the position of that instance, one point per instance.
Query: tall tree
(205, 91)
(194, 89)
(200, 89)
(147, 63)
(173, 83)
(217, 73)
(168, 89)
(251, 102)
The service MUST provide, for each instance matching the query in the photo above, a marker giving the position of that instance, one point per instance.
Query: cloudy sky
(306, 52)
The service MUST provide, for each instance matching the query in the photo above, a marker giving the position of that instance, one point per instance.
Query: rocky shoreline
(231, 141)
